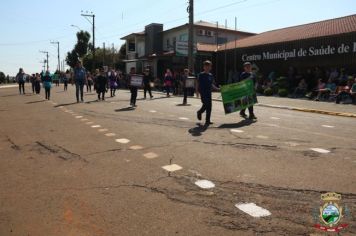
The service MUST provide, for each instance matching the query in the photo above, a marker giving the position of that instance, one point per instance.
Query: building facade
(160, 49)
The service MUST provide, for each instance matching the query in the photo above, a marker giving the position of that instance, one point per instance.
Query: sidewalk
(328, 108)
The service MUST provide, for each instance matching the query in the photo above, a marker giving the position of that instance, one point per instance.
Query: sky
(28, 26)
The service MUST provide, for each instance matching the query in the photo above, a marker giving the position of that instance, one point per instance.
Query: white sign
(182, 48)
(190, 82)
(285, 55)
(136, 80)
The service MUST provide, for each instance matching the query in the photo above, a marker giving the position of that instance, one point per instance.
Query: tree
(2, 77)
(80, 48)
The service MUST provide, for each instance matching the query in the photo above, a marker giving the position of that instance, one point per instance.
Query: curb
(331, 113)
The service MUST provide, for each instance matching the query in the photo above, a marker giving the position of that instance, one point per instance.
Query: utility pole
(104, 54)
(191, 37)
(45, 52)
(59, 61)
(93, 24)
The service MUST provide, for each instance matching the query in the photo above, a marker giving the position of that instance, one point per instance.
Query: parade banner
(190, 82)
(238, 96)
(136, 80)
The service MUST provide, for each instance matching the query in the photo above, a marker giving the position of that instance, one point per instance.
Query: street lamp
(75, 26)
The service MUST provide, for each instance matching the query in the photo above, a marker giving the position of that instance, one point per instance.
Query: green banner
(238, 96)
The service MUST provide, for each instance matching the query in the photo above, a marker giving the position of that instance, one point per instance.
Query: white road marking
(262, 137)
(328, 126)
(122, 140)
(103, 130)
(136, 147)
(205, 184)
(320, 150)
(79, 117)
(236, 131)
(54, 103)
(150, 155)
(89, 123)
(9, 86)
(253, 210)
(275, 118)
(110, 134)
(96, 126)
(183, 118)
(152, 111)
(172, 168)
(272, 125)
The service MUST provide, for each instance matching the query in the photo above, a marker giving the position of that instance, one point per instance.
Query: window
(210, 33)
(201, 32)
(183, 38)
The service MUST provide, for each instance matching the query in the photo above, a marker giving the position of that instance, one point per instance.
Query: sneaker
(252, 117)
(243, 115)
(151, 97)
(199, 115)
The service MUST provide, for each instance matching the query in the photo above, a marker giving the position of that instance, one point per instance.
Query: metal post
(191, 36)
(59, 61)
(45, 52)
(93, 24)
(104, 54)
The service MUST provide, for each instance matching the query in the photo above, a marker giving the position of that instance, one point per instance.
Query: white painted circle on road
(183, 118)
(172, 168)
(136, 147)
(320, 150)
(96, 126)
(150, 155)
(79, 117)
(328, 126)
(152, 111)
(122, 140)
(253, 210)
(205, 184)
(236, 131)
(275, 118)
(110, 134)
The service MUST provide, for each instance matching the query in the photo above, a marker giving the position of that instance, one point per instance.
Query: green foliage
(80, 49)
(283, 92)
(268, 92)
(2, 77)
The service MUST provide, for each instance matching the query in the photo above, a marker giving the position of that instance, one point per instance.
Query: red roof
(331, 27)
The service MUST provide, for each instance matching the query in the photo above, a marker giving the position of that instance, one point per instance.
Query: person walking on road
(32, 80)
(168, 81)
(38, 83)
(133, 89)
(89, 82)
(205, 87)
(247, 74)
(113, 82)
(101, 83)
(66, 80)
(21, 78)
(185, 76)
(147, 80)
(47, 84)
(80, 76)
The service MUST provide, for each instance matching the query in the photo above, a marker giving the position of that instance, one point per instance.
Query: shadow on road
(35, 102)
(237, 125)
(66, 104)
(125, 109)
(184, 105)
(198, 130)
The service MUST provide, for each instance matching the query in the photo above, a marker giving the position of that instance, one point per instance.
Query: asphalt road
(95, 168)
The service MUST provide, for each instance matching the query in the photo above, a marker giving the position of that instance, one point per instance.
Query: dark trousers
(342, 94)
(206, 107)
(79, 87)
(250, 110)
(22, 87)
(33, 87)
(102, 93)
(168, 90)
(185, 94)
(48, 93)
(147, 88)
(65, 86)
(133, 91)
(112, 92)
(88, 87)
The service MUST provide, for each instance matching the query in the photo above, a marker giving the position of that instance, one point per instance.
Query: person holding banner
(205, 87)
(247, 74)
(147, 80)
